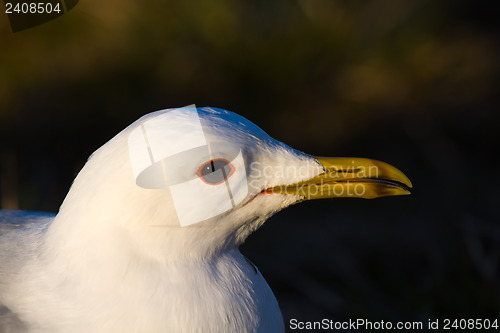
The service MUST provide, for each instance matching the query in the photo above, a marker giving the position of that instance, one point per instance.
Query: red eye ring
(207, 171)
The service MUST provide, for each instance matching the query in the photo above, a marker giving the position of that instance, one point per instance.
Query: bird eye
(215, 171)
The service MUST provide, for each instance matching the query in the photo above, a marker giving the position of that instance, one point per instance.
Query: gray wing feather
(16, 228)
(11, 220)
(10, 323)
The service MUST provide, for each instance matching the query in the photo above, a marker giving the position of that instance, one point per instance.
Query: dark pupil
(215, 171)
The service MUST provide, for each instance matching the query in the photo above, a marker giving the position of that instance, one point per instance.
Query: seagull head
(191, 182)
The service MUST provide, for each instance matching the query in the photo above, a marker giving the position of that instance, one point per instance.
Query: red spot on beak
(266, 192)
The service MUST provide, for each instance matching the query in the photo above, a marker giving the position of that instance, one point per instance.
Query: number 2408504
(32, 8)
(461, 324)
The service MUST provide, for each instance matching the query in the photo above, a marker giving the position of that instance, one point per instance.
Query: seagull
(147, 238)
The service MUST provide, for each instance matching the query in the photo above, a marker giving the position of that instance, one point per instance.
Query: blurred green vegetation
(413, 83)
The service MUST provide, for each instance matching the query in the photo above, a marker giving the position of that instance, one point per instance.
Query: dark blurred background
(412, 83)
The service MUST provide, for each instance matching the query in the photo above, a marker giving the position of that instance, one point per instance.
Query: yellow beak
(350, 177)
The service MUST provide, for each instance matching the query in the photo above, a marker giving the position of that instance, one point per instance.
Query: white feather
(115, 259)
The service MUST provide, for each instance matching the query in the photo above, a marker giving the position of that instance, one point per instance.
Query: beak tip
(406, 180)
